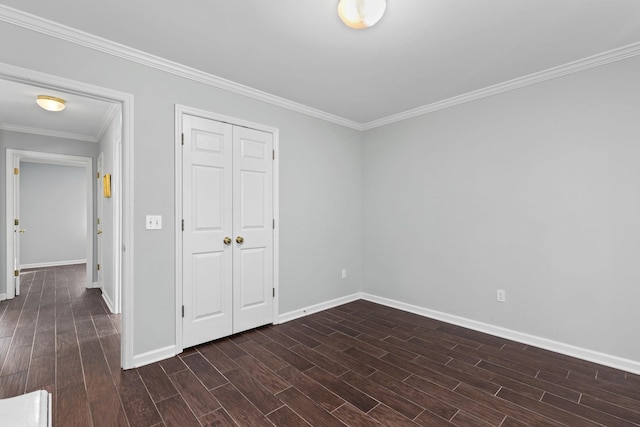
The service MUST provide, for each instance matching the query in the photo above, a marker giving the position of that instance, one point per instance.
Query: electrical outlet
(344, 273)
(501, 295)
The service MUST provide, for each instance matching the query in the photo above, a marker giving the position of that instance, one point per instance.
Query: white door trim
(180, 110)
(124, 240)
(97, 180)
(16, 157)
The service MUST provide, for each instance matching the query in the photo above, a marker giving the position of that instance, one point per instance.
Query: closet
(227, 229)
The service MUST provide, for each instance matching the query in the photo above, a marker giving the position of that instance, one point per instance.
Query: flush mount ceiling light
(360, 14)
(50, 103)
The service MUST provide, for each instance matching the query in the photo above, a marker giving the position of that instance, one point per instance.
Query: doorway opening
(16, 160)
(123, 233)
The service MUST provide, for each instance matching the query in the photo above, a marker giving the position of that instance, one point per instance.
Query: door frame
(123, 245)
(18, 157)
(99, 215)
(181, 110)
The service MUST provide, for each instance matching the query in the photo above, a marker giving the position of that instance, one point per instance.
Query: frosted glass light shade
(361, 14)
(50, 103)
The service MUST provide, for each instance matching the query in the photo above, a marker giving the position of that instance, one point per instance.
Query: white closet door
(207, 213)
(252, 228)
(228, 229)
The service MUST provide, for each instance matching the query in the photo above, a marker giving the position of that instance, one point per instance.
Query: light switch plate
(154, 222)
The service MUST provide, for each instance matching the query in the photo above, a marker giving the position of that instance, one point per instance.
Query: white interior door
(99, 219)
(207, 214)
(17, 230)
(253, 228)
(227, 261)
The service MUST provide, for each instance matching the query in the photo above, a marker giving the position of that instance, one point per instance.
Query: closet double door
(227, 230)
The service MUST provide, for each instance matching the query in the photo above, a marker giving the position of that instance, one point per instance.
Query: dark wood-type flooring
(360, 364)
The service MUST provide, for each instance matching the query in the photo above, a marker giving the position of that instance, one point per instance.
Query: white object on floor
(27, 410)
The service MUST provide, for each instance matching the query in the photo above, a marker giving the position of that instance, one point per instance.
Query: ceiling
(420, 53)
(83, 119)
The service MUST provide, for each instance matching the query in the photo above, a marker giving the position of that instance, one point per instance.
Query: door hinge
(98, 267)
(16, 273)
(183, 311)
(183, 225)
(16, 171)
(16, 221)
(274, 292)
(274, 154)
(183, 139)
(97, 175)
(98, 221)
(274, 224)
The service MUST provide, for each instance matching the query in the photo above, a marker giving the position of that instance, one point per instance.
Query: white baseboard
(296, 314)
(53, 263)
(107, 300)
(154, 356)
(3, 297)
(94, 285)
(547, 344)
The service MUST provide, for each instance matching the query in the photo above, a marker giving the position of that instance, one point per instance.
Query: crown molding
(63, 32)
(46, 132)
(517, 83)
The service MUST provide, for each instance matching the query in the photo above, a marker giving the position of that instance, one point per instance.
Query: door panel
(252, 204)
(252, 219)
(252, 279)
(208, 292)
(208, 203)
(207, 266)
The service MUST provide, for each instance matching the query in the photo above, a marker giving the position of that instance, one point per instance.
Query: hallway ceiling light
(360, 14)
(50, 103)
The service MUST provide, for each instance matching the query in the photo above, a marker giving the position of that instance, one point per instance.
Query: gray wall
(53, 210)
(29, 142)
(535, 191)
(320, 181)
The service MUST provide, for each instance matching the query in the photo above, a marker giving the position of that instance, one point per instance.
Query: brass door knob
(227, 240)
(239, 239)
(22, 230)
(99, 232)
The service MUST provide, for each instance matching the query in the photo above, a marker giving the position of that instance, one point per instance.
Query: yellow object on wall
(106, 185)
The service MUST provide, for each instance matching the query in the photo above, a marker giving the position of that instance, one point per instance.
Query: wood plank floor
(360, 364)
